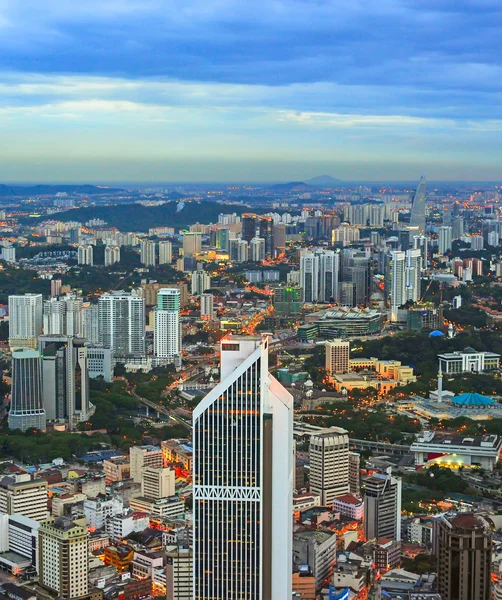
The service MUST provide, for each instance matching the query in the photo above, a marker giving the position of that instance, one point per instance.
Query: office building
(243, 474)
(382, 507)
(167, 325)
(85, 255)
(141, 457)
(165, 253)
(279, 238)
(65, 379)
(468, 360)
(249, 226)
(420, 242)
(147, 253)
(257, 249)
(329, 464)
(200, 282)
(63, 557)
(64, 315)
(266, 233)
(179, 574)
(337, 357)
(239, 251)
(122, 324)
(396, 274)
(319, 276)
(112, 255)
(100, 363)
(207, 306)
(287, 301)
(157, 482)
(21, 495)
(18, 534)
(413, 275)
(25, 320)
(192, 243)
(355, 473)
(26, 408)
(417, 218)
(464, 550)
(445, 239)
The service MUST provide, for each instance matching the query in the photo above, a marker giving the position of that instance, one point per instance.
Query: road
(159, 408)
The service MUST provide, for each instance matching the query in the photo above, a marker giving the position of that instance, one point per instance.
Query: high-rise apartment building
(207, 306)
(26, 408)
(85, 254)
(122, 324)
(55, 287)
(192, 243)
(329, 464)
(477, 242)
(396, 274)
(63, 557)
(413, 274)
(417, 218)
(147, 253)
(319, 276)
(201, 282)
(337, 357)
(112, 255)
(165, 253)
(21, 495)
(420, 242)
(382, 507)
(157, 483)
(25, 320)
(243, 476)
(64, 315)
(167, 325)
(464, 550)
(141, 457)
(445, 239)
(90, 322)
(257, 249)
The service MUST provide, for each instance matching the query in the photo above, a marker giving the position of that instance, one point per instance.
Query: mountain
(324, 181)
(42, 190)
(293, 186)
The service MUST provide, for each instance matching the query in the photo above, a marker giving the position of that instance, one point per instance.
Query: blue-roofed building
(472, 400)
(436, 333)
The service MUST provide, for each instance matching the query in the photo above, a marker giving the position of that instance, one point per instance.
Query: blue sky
(205, 90)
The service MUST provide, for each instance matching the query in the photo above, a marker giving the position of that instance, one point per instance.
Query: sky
(250, 90)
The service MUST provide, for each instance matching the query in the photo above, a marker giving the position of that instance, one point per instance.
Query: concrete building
(468, 361)
(329, 464)
(192, 243)
(317, 549)
(120, 526)
(167, 326)
(200, 282)
(350, 506)
(100, 363)
(144, 456)
(207, 306)
(25, 320)
(63, 557)
(165, 253)
(382, 507)
(26, 407)
(337, 357)
(257, 249)
(464, 558)
(85, 254)
(20, 495)
(445, 239)
(122, 324)
(18, 535)
(179, 574)
(98, 510)
(158, 482)
(117, 468)
(112, 255)
(147, 253)
(63, 315)
(163, 507)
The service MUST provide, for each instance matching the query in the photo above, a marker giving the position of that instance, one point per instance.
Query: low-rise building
(468, 360)
(350, 506)
(120, 526)
(317, 549)
(162, 507)
(117, 468)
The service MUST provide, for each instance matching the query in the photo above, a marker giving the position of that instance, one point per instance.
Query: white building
(19, 534)
(9, 254)
(468, 360)
(319, 275)
(445, 239)
(120, 526)
(147, 253)
(207, 306)
(158, 482)
(90, 318)
(20, 495)
(112, 255)
(98, 510)
(25, 320)
(477, 242)
(165, 253)
(243, 478)
(200, 282)
(350, 506)
(413, 274)
(100, 363)
(141, 457)
(257, 249)
(85, 255)
(329, 464)
(64, 315)
(163, 507)
(63, 557)
(122, 324)
(167, 325)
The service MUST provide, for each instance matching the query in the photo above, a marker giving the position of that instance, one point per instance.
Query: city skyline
(219, 92)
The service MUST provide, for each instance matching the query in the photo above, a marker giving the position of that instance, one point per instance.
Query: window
(230, 347)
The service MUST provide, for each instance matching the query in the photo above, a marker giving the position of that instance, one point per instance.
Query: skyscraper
(122, 324)
(207, 306)
(243, 474)
(26, 408)
(85, 254)
(112, 255)
(464, 549)
(309, 276)
(249, 222)
(396, 273)
(257, 249)
(192, 243)
(417, 219)
(319, 275)
(200, 282)
(329, 464)
(266, 228)
(337, 356)
(64, 315)
(413, 274)
(25, 320)
(147, 253)
(382, 507)
(445, 239)
(167, 327)
(165, 253)
(420, 242)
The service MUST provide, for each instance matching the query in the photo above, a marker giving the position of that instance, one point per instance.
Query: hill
(135, 217)
(293, 186)
(324, 181)
(7, 191)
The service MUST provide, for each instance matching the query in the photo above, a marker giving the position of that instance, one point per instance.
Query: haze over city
(231, 91)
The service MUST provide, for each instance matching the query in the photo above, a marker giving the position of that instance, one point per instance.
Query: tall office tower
(122, 324)
(257, 249)
(477, 242)
(63, 557)
(55, 287)
(249, 226)
(266, 228)
(417, 218)
(25, 320)
(179, 574)
(382, 507)
(112, 255)
(223, 239)
(355, 473)
(397, 281)
(309, 276)
(287, 300)
(445, 239)
(26, 408)
(337, 357)
(329, 274)
(65, 379)
(90, 322)
(63, 315)
(200, 282)
(147, 253)
(329, 464)
(242, 251)
(243, 476)
(457, 227)
(420, 242)
(413, 274)
(85, 254)
(167, 325)
(141, 457)
(192, 243)
(280, 238)
(165, 253)
(348, 294)
(464, 550)
(157, 482)
(22, 495)
(207, 306)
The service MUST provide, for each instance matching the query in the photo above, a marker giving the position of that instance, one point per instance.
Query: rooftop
(349, 499)
(472, 400)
